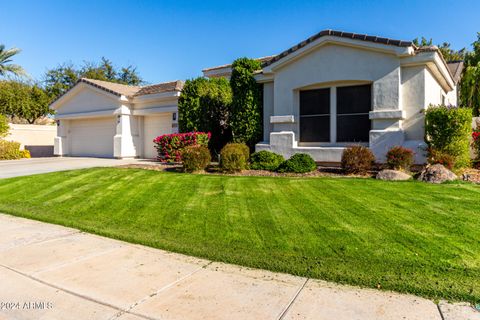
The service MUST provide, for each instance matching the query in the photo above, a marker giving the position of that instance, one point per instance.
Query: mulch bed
(471, 175)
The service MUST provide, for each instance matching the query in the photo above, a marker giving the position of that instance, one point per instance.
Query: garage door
(153, 127)
(92, 137)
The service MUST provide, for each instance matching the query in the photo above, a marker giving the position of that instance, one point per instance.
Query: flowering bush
(170, 146)
(399, 158)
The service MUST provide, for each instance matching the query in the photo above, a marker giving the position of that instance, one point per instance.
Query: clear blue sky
(170, 40)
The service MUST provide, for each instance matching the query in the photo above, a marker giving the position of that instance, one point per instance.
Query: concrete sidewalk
(52, 272)
(25, 167)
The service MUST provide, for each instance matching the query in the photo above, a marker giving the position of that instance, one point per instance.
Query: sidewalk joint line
(440, 311)
(153, 294)
(292, 301)
(78, 295)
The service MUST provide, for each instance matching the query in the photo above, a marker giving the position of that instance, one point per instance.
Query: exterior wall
(400, 95)
(88, 100)
(128, 139)
(38, 139)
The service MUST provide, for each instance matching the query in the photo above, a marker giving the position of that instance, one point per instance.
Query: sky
(175, 39)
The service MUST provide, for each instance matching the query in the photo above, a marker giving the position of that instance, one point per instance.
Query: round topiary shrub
(357, 160)
(234, 157)
(266, 160)
(195, 158)
(298, 163)
(399, 158)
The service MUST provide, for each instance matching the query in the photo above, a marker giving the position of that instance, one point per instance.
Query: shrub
(357, 160)
(170, 146)
(9, 150)
(234, 157)
(439, 157)
(266, 160)
(448, 130)
(399, 158)
(195, 158)
(25, 154)
(4, 127)
(298, 163)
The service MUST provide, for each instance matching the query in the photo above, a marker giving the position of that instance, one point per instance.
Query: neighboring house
(337, 89)
(104, 119)
(38, 139)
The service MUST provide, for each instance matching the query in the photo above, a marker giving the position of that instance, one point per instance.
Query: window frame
(333, 112)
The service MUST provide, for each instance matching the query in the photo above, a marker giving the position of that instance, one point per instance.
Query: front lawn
(405, 236)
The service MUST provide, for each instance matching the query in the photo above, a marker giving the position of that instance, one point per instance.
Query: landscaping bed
(404, 236)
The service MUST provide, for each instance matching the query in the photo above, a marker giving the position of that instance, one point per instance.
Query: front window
(337, 114)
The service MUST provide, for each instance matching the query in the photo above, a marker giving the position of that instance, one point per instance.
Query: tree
(23, 100)
(246, 108)
(204, 106)
(58, 80)
(451, 55)
(423, 42)
(6, 67)
(470, 83)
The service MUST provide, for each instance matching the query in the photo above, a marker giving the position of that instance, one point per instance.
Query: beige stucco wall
(88, 100)
(32, 135)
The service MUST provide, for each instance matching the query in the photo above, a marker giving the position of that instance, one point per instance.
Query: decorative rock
(393, 175)
(437, 174)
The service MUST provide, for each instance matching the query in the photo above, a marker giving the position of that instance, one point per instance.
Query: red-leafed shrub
(357, 160)
(170, 146)
(400, 158)
(440, 157)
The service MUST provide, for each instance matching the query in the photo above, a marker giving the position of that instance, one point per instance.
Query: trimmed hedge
(298, 163)
(357, 160)
(195, 158)
(234, 157)
(448, 131)
(10, 150)
(400, 158)
(266, 160)
(170, 146)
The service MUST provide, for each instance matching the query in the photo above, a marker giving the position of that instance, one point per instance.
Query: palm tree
(6, 66)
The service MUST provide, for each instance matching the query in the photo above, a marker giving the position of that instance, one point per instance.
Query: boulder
(437, 174)
(393, 175)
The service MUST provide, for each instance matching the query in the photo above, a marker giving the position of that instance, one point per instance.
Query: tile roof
(348, 35)
(160, 87)
(262, 60)
(127, 90)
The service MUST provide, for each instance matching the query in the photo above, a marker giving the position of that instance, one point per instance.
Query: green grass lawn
(405, 236)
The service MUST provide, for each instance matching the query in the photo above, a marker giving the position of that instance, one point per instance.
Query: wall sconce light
(174, 116)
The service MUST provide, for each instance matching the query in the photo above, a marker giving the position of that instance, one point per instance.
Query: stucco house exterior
(104, 119)
(336, 89)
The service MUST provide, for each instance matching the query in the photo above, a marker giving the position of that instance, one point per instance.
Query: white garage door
(153, 127)
(92, 137)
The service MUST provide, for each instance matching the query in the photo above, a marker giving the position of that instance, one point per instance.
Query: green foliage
(6, 67)
(266, 160)
(23, 100)
(234, 157)
(470, 88)
(58, 80)
(448, 130)
(10, 150)
(4, 127)
(204, 106)
(170, 146)
(298, 163)
(399, 158)
(357, 160)
(439, 157)
(246, 108)
(195, 158)
(25, 153)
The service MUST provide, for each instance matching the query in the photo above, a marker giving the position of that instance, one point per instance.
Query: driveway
(25, 167)
(53, 272)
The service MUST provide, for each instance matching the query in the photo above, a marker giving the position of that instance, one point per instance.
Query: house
(336, 89)
(104, 119)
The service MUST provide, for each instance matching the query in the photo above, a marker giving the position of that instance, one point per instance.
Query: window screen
(353, 106)
(315, 115)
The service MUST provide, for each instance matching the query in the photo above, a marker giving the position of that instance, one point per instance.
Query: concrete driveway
(52, 272)
(25, 167)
